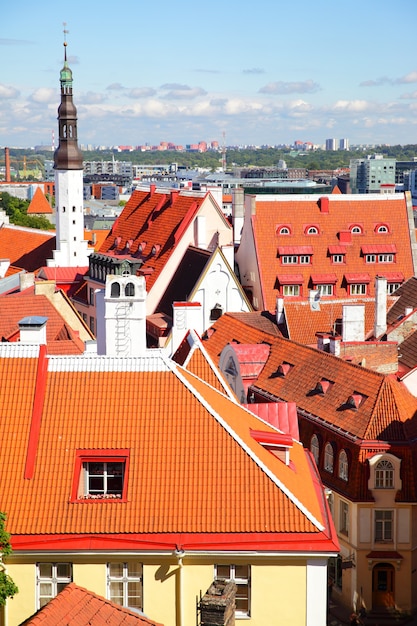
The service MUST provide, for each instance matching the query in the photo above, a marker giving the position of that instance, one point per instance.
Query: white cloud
(44, 95)
(282, 88)
(7, 91)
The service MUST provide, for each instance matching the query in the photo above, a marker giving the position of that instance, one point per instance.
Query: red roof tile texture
(344, 213)
(26, 248)
(76, 606)
(149, 228)
(181, 434)
(61, 339)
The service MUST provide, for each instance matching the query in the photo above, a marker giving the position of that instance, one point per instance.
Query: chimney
(33, 330)
(152, 189)
(26, 280)
(186, 316)
(324, 204)
(280, 313)
(7, 165)
(380, 324)
(174, 195)
(238, 213)
(353, 322)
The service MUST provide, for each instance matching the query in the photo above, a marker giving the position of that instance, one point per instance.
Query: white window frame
(125, 579)
(385, 258)
(284, 230)
(370, 258)
(56, 581)
(356, 230)
(384, 474)
(291, 290)
(241, 582)
(343, 465)
(315, 448)
(384, 526)
(358, 289)
(312, 230)
(338, 258)
(328, 457)
(106, 476)
(325, 289)
(391, 287)
(344, 517)
(290, 259)
(382, 229)
(305, 259)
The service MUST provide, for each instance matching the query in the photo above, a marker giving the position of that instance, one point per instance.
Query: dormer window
(355, 400)
(384, 475)
(356, 229)
(323, 386)
(100, 475)
(283, 230)
(382, 229)
(311, 230)
(284, 368)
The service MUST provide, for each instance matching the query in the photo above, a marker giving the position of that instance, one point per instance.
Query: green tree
(7, 587)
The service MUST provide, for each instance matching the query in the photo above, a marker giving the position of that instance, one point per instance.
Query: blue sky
(244, 72)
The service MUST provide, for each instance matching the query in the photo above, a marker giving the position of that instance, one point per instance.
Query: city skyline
(214, 73)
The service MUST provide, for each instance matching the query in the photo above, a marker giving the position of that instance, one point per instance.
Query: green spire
(65, 75)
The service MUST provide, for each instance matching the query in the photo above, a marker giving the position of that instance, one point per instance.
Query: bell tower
(71, 248)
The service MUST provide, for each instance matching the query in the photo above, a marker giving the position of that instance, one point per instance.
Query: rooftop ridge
(268, 472)
(153, 361)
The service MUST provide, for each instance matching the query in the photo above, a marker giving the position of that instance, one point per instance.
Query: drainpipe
(179, 554)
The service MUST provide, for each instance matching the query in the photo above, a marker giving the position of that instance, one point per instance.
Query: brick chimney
(217, 606)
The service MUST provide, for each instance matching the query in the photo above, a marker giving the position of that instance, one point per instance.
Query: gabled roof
(406, 298)
(27, 248)
(150, 226)
(180, 435)
(60, 337)
(39, 205)
(234, 326)
(76, 606)
(342, 212)
(386, 411)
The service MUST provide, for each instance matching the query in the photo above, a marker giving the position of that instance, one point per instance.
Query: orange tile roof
(386, 412)
(61, 339)
(151, 219)
(26, 248)
(76, 606)
(302, 323)
(181, 435)
(39, 205)
(344, 211)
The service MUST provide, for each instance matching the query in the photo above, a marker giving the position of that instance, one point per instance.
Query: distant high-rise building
(343, 144)
(373, 174)
(330, 144)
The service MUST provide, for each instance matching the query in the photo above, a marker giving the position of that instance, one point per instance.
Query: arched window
(328, 458)
(312, 230)
(130, 289)
(315, 448)
(115, 290)
(356, 230)
(284, 230)
(384, 475)
(343, 465)
(382, 228)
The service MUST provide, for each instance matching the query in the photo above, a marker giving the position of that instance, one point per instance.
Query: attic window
(382, 229)
(284, 368)
(323, 386)
(311, 230)
(100, 475)
(355, 400)
(283, 230)
(356, 229)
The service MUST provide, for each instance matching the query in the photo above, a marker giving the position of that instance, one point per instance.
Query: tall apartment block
(343, 144)
(331, 144)
(372, 174)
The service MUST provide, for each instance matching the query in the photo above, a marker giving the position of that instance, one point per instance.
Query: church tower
(71, 249)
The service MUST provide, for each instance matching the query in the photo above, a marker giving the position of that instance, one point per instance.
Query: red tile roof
(61, 339)
(181, 434)
(150, 226)
(76, 606)
(344, 212)
(26, 248)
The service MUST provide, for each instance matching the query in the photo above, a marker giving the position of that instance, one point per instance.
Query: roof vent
(155, 249)
(142, 247)
(279, 444)
(283, 369)
(355, 400)
(323, 386)
(117, 241)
